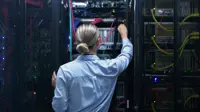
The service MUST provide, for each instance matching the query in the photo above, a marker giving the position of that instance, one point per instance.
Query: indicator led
(155, 79)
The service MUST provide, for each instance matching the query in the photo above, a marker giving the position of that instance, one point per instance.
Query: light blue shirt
(87, 84)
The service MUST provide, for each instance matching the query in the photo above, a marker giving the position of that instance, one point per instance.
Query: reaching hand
(53, 79)
(123, 31)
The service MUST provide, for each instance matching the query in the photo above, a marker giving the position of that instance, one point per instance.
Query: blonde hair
(87, 36)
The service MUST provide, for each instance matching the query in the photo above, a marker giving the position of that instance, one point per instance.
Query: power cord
(96, 21)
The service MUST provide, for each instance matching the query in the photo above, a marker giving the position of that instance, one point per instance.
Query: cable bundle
(96, 21)
(192, 36)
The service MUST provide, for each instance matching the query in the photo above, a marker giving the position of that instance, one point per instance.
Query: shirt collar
(88, 57)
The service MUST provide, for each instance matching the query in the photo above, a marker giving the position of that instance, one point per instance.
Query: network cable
(160, 49)
(192, 36)
(154, 18)
(171, 30)
(70, 28)
(189, 98)
(153, 107)
(186, 40)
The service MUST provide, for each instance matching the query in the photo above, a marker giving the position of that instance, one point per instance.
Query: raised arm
(123, 59)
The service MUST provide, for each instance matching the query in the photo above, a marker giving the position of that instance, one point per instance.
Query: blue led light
(155, 79)
(2, 58)
(2, 49)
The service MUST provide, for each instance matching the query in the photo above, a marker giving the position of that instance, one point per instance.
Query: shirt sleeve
(60, 99)
(123, 59)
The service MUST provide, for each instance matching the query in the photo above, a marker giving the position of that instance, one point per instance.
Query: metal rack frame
(138, 54)
(178, 101)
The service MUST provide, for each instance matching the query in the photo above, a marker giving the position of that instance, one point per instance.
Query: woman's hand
(123, 31)
(53, 79)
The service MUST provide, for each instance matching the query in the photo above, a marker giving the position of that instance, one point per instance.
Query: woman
(87, 83)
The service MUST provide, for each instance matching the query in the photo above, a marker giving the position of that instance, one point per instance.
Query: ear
(98, 41)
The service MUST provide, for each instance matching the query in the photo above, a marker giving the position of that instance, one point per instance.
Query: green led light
(35, 67)
(35, 77)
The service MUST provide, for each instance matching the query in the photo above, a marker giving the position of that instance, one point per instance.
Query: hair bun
(82, 48)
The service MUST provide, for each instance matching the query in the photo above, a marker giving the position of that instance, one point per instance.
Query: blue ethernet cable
(70, 29)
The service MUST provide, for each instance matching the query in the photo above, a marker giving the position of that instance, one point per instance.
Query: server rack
(11, 46)
(123, 94)
(168, 80)
(33, 56)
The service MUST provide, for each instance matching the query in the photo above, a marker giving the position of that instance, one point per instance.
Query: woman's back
(92, 83)
(87, 83)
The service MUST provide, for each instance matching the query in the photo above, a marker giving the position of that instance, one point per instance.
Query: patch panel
(86, 20)
(189, 62)
(99, 4)
(104, 32)
(163, 37)
(164, 12)
(165, 8)
(79, 4)
(108, 36)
